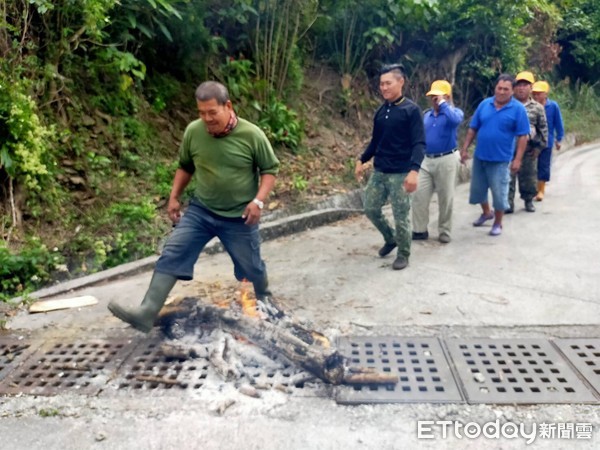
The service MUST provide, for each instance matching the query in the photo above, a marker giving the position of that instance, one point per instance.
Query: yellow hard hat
(525, 76)
(440, 87)
(540, 86)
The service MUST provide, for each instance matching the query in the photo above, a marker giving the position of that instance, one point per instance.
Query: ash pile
(243, 344)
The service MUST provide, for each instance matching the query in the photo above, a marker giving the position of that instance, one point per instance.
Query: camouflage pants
(380, 187)
(527, 176)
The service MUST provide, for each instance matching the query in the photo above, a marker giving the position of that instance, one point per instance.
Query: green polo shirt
(227, 170)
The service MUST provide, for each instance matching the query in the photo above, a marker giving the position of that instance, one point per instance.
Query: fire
(248, 303)
(320, 339)
(222, 303)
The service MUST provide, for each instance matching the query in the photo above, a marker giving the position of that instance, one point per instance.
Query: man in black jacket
(397, 147)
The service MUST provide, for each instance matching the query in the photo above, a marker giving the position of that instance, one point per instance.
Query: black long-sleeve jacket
(398, 140)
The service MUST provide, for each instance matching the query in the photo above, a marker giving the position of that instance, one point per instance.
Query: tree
(579, 35)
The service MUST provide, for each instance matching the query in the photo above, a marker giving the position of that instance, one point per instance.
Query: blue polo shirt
(440, 130)
(498, 128)
(555, 122)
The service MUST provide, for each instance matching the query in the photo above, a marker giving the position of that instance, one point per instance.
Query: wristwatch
(258, 203)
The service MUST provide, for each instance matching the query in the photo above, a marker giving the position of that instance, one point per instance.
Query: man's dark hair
(506, 77)
(212, 90)
(396, 69)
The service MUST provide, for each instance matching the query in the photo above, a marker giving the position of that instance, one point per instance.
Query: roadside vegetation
(95, 95)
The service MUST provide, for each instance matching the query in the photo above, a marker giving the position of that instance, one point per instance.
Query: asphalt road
(540, 278)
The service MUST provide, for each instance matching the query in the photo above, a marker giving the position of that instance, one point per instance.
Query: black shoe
(386, 249)
(529, 206)
(400, 263)
(416, 236)
(509, 211)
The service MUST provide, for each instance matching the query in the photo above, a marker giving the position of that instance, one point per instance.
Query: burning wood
(306, 348)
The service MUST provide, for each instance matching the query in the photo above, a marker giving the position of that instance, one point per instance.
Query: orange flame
(222, 303)
(248, 303)
(320, 339)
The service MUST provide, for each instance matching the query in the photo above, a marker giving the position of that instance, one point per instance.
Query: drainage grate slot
(423, 371)
(13, 351)
(56, 367)
(522, 371)
(584, 355)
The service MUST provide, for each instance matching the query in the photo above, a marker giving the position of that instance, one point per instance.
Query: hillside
(116, 177)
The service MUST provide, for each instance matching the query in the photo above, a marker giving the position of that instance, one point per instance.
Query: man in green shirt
(234, 169)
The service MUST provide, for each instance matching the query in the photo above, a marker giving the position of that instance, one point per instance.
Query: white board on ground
(62, 303)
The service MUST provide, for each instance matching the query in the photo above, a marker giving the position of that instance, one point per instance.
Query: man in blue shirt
(555, 126)
(439, 168)
(397, 149)
(497, 121)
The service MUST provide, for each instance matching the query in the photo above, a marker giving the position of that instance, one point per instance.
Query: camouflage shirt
(538, 134)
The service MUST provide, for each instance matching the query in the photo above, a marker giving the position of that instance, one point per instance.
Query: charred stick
(370, 378)
(80, 368)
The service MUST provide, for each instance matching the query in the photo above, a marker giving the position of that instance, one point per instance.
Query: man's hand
(464, 155)
(359, 170)
(515, 165)
(251, 213)
(557, 145)
(410, 182)
(174, 210)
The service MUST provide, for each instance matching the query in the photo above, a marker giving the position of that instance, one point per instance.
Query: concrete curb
(334, 209)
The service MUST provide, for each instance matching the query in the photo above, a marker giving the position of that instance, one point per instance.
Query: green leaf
(6, 161)
(164, 30)
(145, 30)
(132, 20)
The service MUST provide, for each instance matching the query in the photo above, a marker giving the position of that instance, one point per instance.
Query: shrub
(26, 270)
(25, 143)
(580, 107)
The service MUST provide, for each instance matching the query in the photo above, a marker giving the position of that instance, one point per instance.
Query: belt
(437, 155)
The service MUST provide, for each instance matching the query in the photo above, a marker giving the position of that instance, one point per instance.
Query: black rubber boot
(142, 317)
(261, 289)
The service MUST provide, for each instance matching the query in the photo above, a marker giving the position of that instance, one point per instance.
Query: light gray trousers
(436, 175)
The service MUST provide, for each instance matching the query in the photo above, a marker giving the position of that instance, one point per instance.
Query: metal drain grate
(81, 366)
(584, 355)
(147, 368)
(12, 351)
(289, 378)
(515, 371)
(420, 364)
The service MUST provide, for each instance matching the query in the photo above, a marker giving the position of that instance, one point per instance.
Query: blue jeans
(192, 233)
(492, 175)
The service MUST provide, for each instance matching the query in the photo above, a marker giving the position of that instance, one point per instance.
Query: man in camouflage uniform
(397, 147)
(538, 138)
